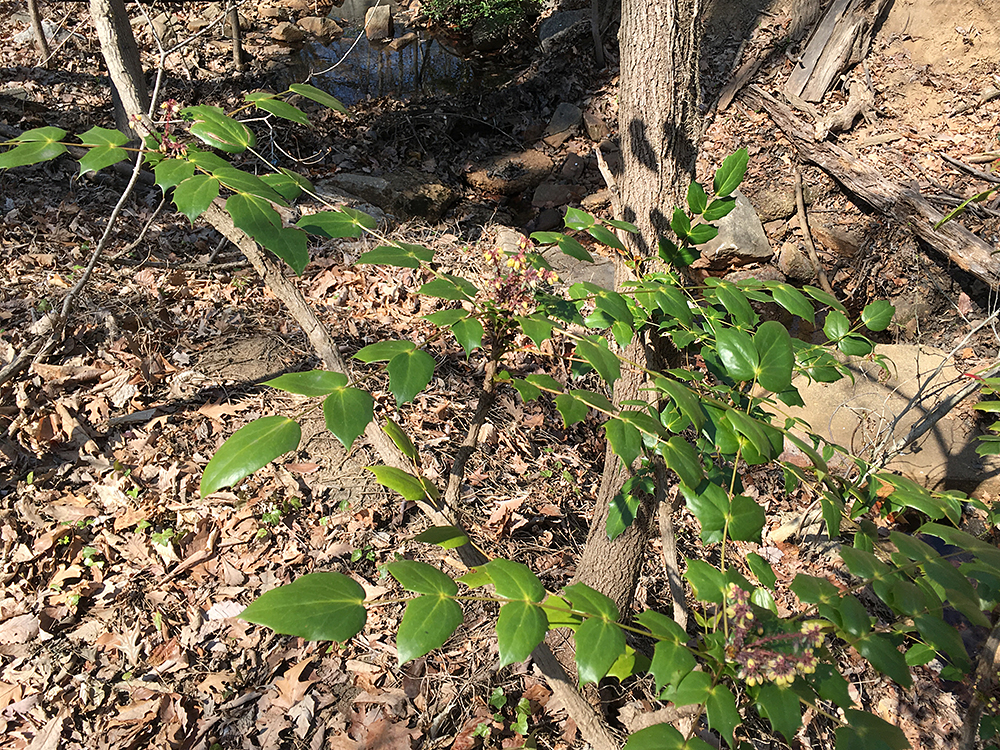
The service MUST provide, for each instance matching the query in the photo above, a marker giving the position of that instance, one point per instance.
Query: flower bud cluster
(515, 279)
(763, 658)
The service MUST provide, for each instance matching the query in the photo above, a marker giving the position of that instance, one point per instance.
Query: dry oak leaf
(292, 687)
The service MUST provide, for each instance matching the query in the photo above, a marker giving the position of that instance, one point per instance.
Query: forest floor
(122, 587)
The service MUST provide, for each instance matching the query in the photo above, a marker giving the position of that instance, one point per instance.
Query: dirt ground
(121, 587)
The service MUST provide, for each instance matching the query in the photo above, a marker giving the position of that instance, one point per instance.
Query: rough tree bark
(128, 85)
(36, 28)
(658, 127)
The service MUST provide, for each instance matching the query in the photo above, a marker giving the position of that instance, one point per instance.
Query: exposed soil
(118, 622)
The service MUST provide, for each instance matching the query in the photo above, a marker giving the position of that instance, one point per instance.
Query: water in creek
(353, 69)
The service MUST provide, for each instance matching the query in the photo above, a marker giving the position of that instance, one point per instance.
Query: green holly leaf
(571, 409)
(709, 583)
(625, 440)
(577, 219)
(171, 172)
(215, 128)
(403, 255)
(347, 412)
(762, 569)
(521, 626)
(538, 328)
(679, 455)
(383, 351)
(697, 199)
(729, 176)
(599, 643)
(663, 737)
(339, 224)
(277, 107)
(312, 383)
(605, 236)
(196, 194)
(251, 447)
(317, 607)
(242, 182)
(409, 373)
(792, 300)
(37, 145)
(105, 149)
(288, 184)
(780, 706)
(878, 315)
(723, 715)
(451, 288)
(469, 333)
(738, 354)
(318, 96)
(421, 578)
(596, 353)
(256, 217)
(400, 439)
(864, 731)
(881, 651)
(720, 208)
(427, 623)
(775, 355)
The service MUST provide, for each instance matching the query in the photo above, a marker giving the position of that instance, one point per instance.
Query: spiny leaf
(196, 194)
(37, 145)
(105, 149)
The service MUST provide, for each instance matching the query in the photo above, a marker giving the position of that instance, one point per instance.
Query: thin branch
(986, 682)
(804, 224)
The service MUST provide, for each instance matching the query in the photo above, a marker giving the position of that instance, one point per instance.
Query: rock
(245, 24)
(378, 24)
(512, 173)
(298, 5)
(741, 237)
(197, 23)
(570, 270)
(841, 241)
(573, 167)
(165, 29)
(565, 120)
(270, 12)
(560, 21)
(596, 200)
(775, 202)
(794, 262)
(287, 32)
(404, 193)
(273, 50)
(324, 29)
(401, 43)
(596, 128)
(547, 220)
(858, 415)
(551, 195)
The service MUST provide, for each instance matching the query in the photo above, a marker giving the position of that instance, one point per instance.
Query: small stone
(378, 24)
(843, 242)
(401, 43)
(565, 120)
(550, 195)
(794, 262)
(596, 128)
(287, 32)
(596, 200)
(512, 173)
(547, 220)
(270, 12)
(323, 29)
(741, 237)
(573, 167)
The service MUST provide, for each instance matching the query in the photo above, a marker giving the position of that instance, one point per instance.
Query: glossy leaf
(599, 643)
(196, 194)
(409, 373)
(685, 399)
(735, 301)
(383, 351)
(400, 439)
(251, 447)
(526, 390)
(671, 663)
(729, 176)
(762, 569)
(702, 233)
(710, 504)
(421, 578)
(257, 217)
(680, 223)
(854, 345)
(864, 731)
(401, 256)
(537, 328)
(288, 184)
(104, 149)
(723, 715)
(347, 412)
(695, 688)
(577, 219)
(406, 484)
(215, 128)
(336, 224)
(780, 706)
(792, 300)
(446, 537)
(605, 236)
(427, 623)
(697, 199)
(318, 96)
(450, 287)
(719, 209)
(171, 172)
(672, 254)
(621, 514)
(878, 315)
(37, 145)
(774, 350)
(317, 607)
(880, 650)
(469, 333)
(663, 737)
(520, 628)
(514, 580)
(277, 107)
(738, 354)
(709, 583)
(825, 298)
(312, 383)
(596, 352)
(680, 457)
(571, 409)
(945, 638)
(625, 440)
(241, 182)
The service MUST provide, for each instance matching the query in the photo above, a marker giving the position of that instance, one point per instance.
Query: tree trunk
(658, 126)
(128, 85)
(36, 27)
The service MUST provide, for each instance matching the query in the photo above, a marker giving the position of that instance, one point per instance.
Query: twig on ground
(810, 247)
(978, 173)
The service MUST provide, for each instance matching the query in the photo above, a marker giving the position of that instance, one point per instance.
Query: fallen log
(904, 204)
